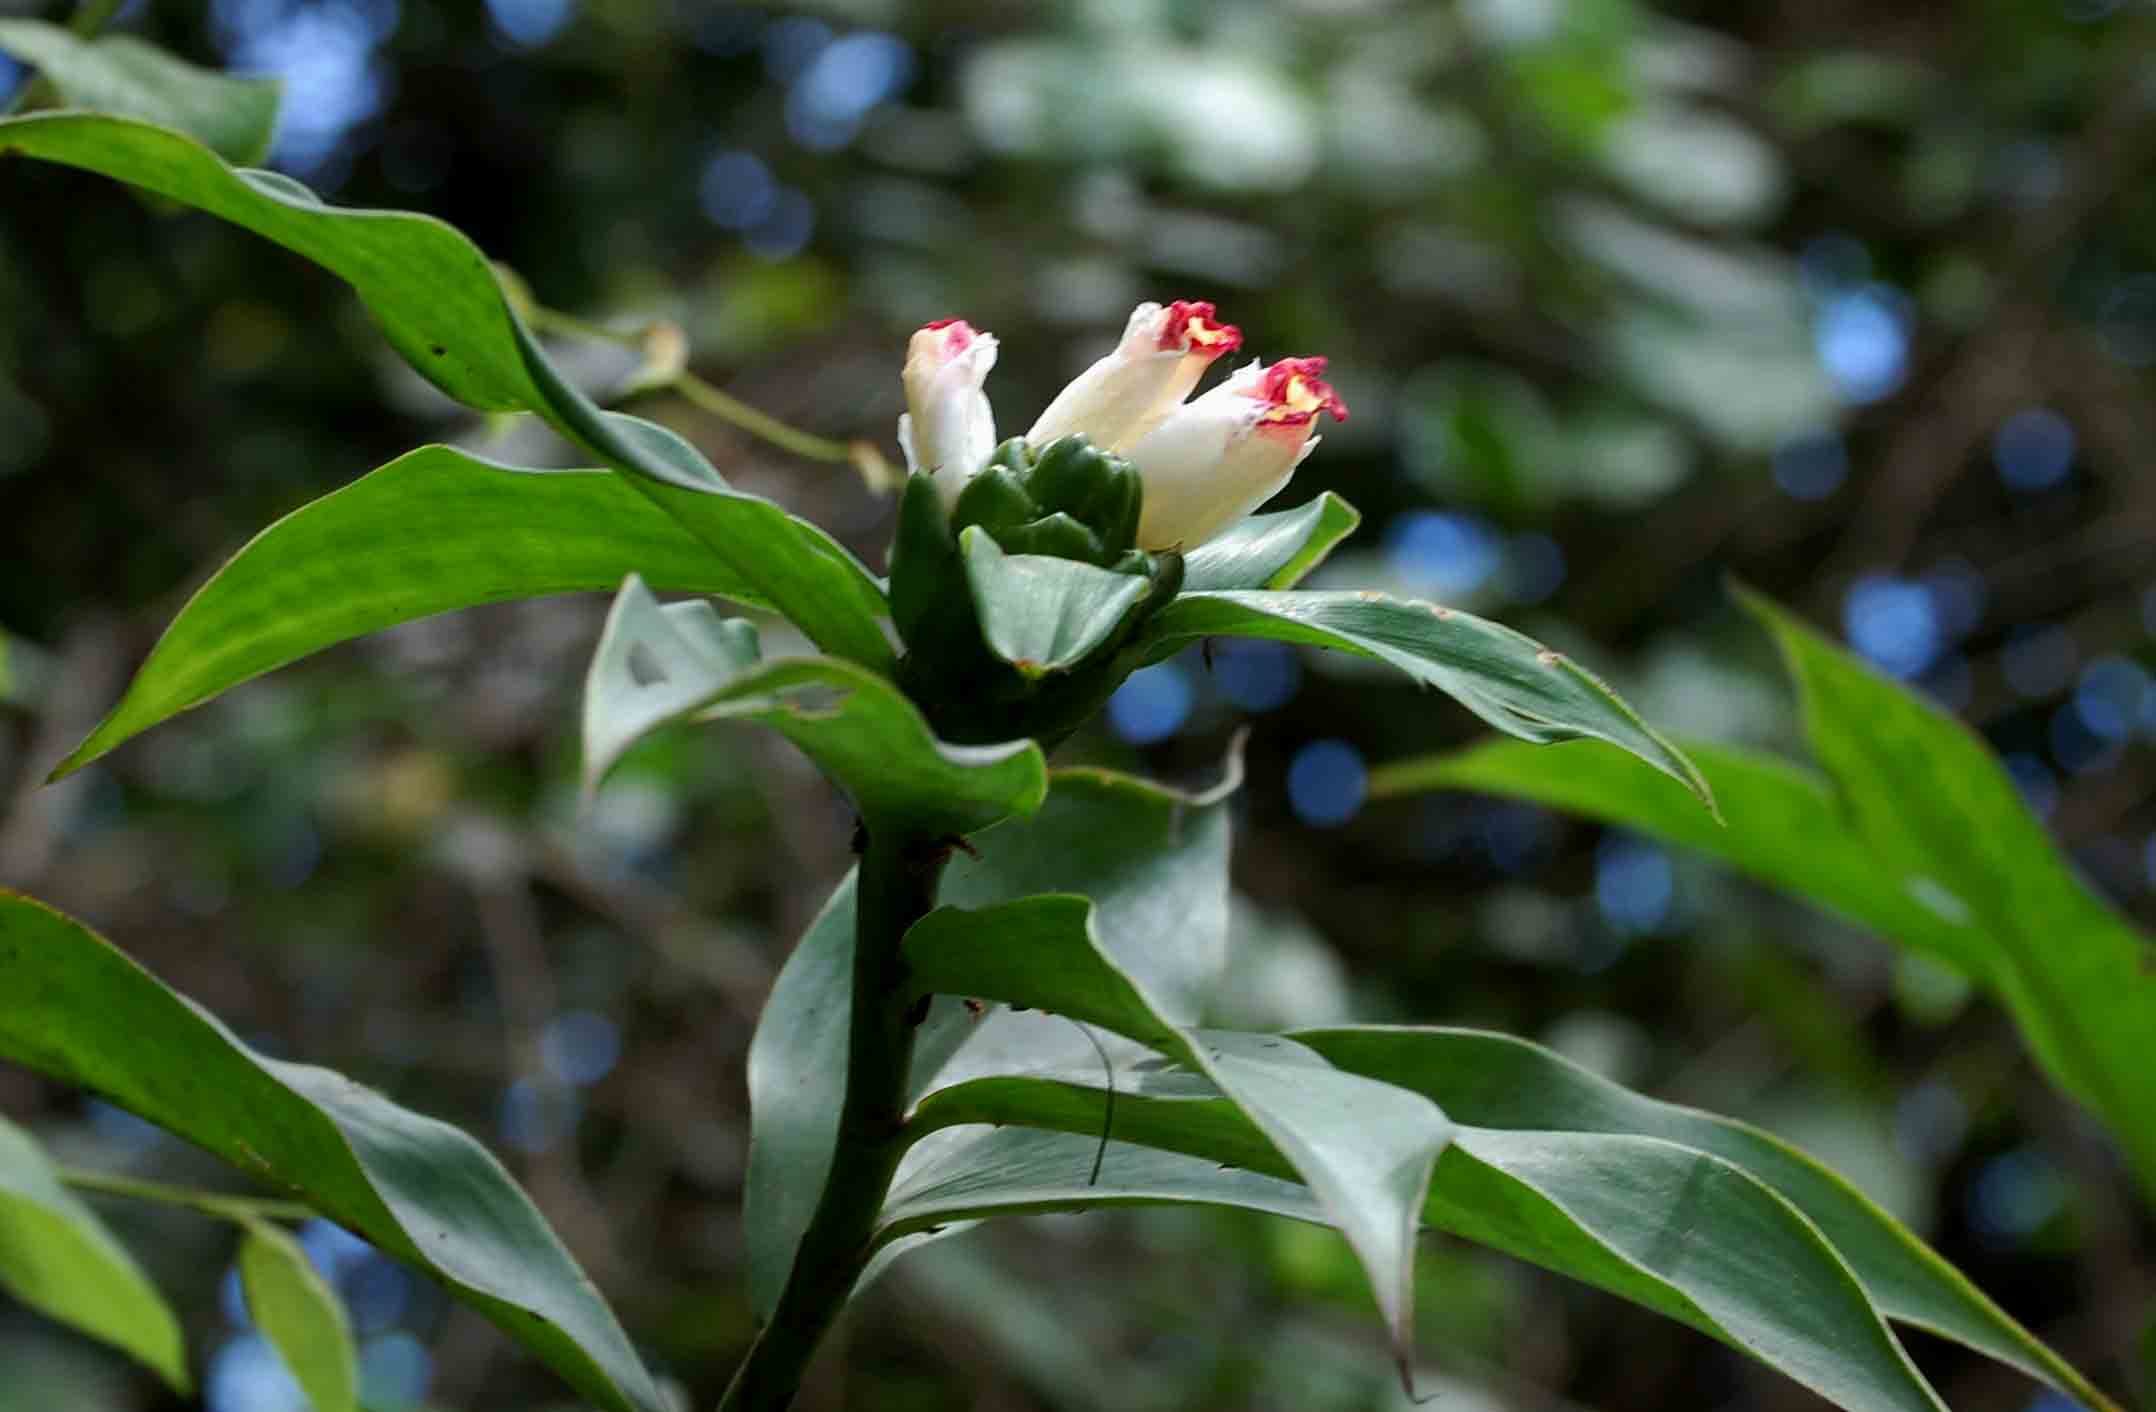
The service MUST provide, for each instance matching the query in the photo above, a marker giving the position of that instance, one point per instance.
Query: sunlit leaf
(297, 1311)
(58, 1259)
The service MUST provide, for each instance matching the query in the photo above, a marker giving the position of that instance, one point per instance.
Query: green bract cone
(1016, 605)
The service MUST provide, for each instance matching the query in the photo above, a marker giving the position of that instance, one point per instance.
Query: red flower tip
(1294, 391)
(1191, 327)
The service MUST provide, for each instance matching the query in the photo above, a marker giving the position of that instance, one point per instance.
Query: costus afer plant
(1002, 1010)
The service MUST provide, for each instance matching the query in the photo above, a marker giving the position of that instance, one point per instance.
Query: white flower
(1163, 353)
(1210, 462)
(948, 429)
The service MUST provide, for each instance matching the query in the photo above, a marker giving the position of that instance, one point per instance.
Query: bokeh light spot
(1151, 704)
(1327, 783)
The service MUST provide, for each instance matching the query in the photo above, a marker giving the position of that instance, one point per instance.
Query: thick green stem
(897, 887)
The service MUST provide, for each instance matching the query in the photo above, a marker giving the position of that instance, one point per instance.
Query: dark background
(1854, 303)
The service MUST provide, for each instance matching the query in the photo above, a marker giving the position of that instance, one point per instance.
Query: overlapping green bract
(1913, 828)
(82, 1012)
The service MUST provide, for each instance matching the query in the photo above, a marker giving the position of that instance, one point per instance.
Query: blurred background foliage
(1856, 303)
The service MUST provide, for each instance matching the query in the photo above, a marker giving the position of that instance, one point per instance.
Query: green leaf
(1509, 680)
(1043, 614)
(1911, 827)
(82, 1012)
(1365, 1149)
(123, 76)
(1271, 551)
(443, 309)
(1678, 1231)
(433, 531)
(1497, 1081)
(298, 1313)
(1155, 863)
(655, 664)
(58, 1258)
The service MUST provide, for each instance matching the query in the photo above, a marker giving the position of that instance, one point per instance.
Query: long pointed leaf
(1365, 1149)
(433, 531)
(1511, 681)
(1501, 1082)
(1675, 1230)
(1914, 829)
(81, 1011)
(443, 309)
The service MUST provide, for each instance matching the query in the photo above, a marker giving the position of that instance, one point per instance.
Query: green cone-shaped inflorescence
(1010, 644)
(1072, 501)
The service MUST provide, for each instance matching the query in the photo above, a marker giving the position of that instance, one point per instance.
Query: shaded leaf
(1678, 1231)
(1497, 1081)
(1043, 614)
(1153, 860)
(82, 1012)
(1365, 1149)
(1271, 551)
(298, 1313)
(58, 1258)
(655, 663)
(1914, 829)
(443, 309)
(433, 531)
(123, 76)
(1509, 680)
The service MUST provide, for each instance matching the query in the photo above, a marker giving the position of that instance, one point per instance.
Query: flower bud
(1214, 460)
(1163, 353)
(948, 429)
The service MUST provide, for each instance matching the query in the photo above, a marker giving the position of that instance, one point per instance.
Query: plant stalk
(896, 888)
(222, 1206)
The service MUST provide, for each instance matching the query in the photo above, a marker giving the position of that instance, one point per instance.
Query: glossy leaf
(1042, 614)
(1153, 860)
(1509, 680)
(659, 664)
(123, 76)
(655, 663)
(1365, 1149)
(1911, 827)
(1271, 551)
(80, 1011)
(443, 309)
(1678, 1231)
(1496, 1081)
(432, 531)
(297, 1311)
(58, 1259)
